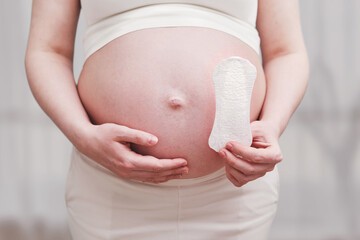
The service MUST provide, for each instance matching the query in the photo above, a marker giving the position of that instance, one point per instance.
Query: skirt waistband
(217, 175)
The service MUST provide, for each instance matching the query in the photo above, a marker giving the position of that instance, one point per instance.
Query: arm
(49, 60)
(286, 71)
(49, 64)
(284, 60)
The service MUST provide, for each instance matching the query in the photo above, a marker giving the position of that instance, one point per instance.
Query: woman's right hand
(109, 145)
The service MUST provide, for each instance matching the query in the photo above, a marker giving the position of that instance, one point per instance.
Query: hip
(209, 207)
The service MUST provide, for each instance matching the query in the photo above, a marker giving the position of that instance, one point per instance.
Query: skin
(49, 61)
(171, 91)
(286, 69)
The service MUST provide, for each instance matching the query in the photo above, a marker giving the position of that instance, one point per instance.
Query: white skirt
(102, 206)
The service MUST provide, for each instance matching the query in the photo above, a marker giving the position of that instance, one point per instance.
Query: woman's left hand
(244, 164)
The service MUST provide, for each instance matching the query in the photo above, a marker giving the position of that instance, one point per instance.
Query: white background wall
(320, 180)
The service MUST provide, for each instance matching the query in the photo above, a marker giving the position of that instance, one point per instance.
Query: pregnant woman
(142, 113)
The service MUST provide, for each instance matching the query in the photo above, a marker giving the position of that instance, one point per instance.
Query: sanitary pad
(234, 79)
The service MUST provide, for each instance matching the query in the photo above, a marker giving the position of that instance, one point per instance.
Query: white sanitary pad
(234, 79)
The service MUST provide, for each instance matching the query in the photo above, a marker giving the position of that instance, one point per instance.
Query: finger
(152, 164)
(129, 171)
(270, 154)
(125, 134)
(240, 177)
(153, 177)
(259, 144)
(233, 180)
(247, 168)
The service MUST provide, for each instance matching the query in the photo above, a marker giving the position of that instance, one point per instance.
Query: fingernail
(229, 146)
(185, 171)
(153, 140)
(184, 163)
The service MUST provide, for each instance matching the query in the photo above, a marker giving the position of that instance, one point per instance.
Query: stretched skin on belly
(159, 80)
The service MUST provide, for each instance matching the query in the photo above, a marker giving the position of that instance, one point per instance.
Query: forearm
(286, 77)
(51, 80)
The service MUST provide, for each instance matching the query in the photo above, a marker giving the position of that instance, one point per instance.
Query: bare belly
(159, 80)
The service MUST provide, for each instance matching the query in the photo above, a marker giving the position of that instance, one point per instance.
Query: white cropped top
(109, 19)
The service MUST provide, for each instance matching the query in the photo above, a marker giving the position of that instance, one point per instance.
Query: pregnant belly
(159, 80)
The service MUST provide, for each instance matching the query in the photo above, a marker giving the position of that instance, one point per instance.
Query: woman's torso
(159, 80)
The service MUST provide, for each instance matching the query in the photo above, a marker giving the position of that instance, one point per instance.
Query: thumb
(126, 134)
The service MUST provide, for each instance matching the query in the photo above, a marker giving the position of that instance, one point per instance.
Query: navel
(176, 102)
